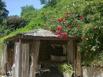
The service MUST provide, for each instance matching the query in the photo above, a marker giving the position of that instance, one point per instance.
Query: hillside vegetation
(92, 32)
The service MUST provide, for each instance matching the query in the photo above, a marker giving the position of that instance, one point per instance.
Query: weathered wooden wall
(21, 59)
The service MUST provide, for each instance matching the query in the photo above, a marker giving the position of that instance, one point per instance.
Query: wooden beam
(34, 58)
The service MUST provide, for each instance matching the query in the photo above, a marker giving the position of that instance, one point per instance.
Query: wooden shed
(26, 53)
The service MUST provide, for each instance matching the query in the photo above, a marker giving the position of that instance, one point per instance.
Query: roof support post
(25, 60)
(34, 58)
(4, 59)
(18, 59)
(70, 52)
(73, 57)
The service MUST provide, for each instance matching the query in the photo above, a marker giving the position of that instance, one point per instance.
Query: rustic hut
(25, 53)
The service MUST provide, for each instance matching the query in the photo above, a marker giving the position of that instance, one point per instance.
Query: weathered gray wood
(78, 63)
(4, 59)
(25, 60)
(71, 54)
(74, 57)
(34, 58)
(18, 56)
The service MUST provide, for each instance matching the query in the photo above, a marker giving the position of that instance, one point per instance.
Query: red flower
(60, 20)
(81, 17)
(59, 35)
(59, 28)
(64, 35)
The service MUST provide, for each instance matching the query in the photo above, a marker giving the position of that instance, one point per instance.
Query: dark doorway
(52, 53)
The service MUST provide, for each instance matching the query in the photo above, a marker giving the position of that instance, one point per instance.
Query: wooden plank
(34, 57)
(10, 55)
(78, 63)
(4, 59)
(25, 60)
(18, 56)
(74, 57)
(71, 54)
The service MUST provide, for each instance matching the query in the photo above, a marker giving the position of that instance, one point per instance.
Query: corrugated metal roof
(40, 33)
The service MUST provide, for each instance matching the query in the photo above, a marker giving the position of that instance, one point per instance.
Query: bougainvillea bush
(69, 25)
(92, 44)
(87, 26)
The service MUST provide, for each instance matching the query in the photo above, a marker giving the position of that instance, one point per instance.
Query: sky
(14, 6)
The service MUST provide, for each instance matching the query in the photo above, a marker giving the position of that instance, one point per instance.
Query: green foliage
(68, 25)
(3, 11)
(92, 44)
(91, 47)
(14, 22)
(3, 15)
(48, 2)
(28, 13)
(91, 33)
(67, 68)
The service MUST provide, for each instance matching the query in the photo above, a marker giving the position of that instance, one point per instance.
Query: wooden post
(25, 60)
(18, 56)
(78, 63)
(74, 58)
(34, 58)
(4, 59)
(70, 52)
